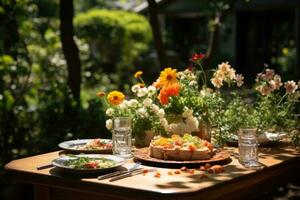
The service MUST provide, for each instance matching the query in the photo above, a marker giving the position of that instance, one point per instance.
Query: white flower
(108, 124)
(161, 113)
(239, 80)
(290, 87)
(135, 88)
(147, 102)
(133, 103)
(155, 108)
(151, 90)
(191, 77)
(124, 104)
(142, 92)
(192, 123)
(142, 112)
(109, 112)
(193, 83)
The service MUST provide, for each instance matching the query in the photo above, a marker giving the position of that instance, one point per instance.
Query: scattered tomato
(183, 168)
(202, 168)
(145, 171)
(157, 175)
(92, 165)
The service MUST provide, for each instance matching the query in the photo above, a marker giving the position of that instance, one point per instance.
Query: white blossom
(109, 112)
(108, 124)
(124, 104)
(142, 92)
(155, 108)
(147, 102)
(142, 112)
(193, 83)
(135, 88)
(192, 123)
(161, 113)
(151, 90)
(133, 103)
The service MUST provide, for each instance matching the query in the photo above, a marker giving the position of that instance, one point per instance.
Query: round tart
(180, 148)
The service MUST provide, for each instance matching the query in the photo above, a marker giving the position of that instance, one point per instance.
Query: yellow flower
(115, 97)
(138, 74)
(167, 76)
(100, 94)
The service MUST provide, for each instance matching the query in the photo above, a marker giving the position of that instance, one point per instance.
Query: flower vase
(204, 131)
(143, 139)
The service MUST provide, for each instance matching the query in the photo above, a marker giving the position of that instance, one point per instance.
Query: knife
(112, 174)
(133, 173)
(40, 167)
(117, 173)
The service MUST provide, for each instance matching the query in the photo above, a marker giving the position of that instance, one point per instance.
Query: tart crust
(179, 153)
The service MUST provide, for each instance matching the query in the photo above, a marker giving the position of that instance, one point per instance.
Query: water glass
(121, 136)
(248, 145)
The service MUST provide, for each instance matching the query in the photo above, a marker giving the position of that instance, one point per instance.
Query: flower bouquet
(180, 102)
(176, 103)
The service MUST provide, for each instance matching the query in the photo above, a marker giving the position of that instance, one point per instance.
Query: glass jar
(248, 147)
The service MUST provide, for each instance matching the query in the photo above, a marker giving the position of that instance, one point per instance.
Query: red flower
(197, 57)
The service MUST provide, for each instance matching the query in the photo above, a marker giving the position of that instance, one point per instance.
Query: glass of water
(248, 145)
(121, 136)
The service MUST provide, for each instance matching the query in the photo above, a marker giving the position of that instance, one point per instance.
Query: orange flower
(169, 89)
(138, 74)
(157, 84)
(100, 94)
(115, 97)
(168, 83)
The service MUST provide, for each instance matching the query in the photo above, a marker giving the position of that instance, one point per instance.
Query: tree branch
(156, 30)
(70, 49)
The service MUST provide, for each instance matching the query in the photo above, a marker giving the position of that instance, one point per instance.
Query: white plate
(263, 139)
(59, 162)
(72, 145)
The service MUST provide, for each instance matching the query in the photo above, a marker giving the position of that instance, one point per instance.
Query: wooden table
(281, 163)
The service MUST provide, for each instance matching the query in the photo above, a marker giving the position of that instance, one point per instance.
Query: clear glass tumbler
(121, 136)
(248, 145)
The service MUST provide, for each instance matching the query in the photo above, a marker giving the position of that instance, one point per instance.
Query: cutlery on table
(112, 174)
(40, 167)
(129, 174)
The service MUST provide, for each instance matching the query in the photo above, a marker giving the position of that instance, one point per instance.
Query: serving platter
(143, 155)
(61, 162)
(77, 146)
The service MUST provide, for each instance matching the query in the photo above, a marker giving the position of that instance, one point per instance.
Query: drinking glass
(121, 136)
(248, 145)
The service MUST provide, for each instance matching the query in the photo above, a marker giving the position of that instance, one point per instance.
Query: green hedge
(115, 37)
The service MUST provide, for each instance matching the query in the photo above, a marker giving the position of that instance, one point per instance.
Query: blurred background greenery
(51, 68)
